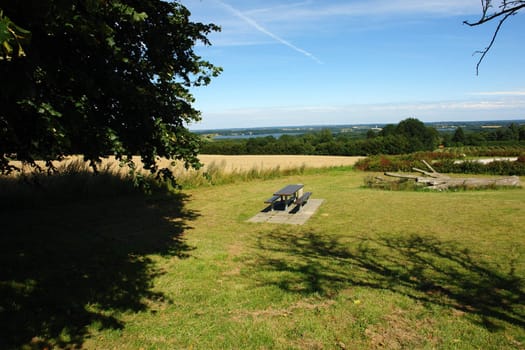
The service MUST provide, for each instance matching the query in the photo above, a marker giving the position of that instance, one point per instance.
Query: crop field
(370, 269)
(245, 163)
(229, 163)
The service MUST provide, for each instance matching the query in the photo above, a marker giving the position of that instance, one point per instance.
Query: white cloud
(303, 17)
(309, 10)
(499, 93)
(362, 113)
(265, 31)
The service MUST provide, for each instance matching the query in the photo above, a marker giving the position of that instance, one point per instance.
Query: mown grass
(371, 269)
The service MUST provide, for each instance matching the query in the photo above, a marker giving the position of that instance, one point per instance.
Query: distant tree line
(510, 134)
(410, 135)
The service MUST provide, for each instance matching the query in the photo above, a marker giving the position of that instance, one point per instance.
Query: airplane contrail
(266, 31)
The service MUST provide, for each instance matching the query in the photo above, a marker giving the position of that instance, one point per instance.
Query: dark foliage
(102, 77)
(409, 136)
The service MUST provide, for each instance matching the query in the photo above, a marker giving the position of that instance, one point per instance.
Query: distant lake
(249, 133)
(251, 136)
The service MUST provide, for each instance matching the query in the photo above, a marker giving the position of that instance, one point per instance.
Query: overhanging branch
(507, 9)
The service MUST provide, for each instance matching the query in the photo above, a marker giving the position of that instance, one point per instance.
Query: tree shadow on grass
(67, 269)
(421, 267)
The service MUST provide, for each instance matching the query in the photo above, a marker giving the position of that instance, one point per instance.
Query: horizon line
(359, 124)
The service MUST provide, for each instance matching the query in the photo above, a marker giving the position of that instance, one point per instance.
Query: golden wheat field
(229, 163)
(272, 161)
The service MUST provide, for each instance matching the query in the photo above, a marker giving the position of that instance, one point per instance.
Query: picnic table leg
(287, 202)
(283, 201)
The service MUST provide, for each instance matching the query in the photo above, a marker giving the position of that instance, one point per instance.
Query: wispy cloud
(499, 93)
(410, 7)
(362, 113)
(309, 17)
(309, 10)
(265, 31)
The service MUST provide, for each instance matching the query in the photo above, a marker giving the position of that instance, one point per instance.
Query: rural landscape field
(228, 163)
(312, 197)
(371, 269)
(245, 163)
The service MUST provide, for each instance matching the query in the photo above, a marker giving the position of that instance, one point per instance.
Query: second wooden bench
(303, 199)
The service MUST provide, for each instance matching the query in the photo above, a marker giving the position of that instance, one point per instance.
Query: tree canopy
(99, 77)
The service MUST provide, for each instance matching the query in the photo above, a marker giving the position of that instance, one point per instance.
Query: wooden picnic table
(289, 193)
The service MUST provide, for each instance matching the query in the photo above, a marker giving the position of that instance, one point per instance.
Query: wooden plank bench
(272, 200)
(303, 199)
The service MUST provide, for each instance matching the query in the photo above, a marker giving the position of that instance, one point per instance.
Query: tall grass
(76, 180)
(72, 181)
(216, 174)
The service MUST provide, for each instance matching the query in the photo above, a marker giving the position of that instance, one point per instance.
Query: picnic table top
(289, 190)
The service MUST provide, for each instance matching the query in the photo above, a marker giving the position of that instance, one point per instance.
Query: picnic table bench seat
(272, 200)
(303, 199)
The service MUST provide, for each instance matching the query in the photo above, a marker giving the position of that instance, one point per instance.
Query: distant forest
(410, 135)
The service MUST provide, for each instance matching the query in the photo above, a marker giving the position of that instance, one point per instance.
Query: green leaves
(128, 11)
(11, 38)
(101, 77)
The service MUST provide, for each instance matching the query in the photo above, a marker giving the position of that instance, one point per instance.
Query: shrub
(391, 185)
(388, 163)
(443, 164)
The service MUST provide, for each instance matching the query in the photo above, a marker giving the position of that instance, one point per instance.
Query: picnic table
(287, 195)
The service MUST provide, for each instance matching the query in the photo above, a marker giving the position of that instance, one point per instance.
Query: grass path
(371, 269)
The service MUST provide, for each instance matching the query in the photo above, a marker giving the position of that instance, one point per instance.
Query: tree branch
(507, 9)
(487, 49)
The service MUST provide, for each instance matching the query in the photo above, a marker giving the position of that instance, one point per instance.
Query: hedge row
(509, 150)
(406, 163)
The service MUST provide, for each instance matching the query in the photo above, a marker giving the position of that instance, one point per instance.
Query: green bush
(500, 150)
(384, 163)
(473, 167)
(443, 163)
(391, 185)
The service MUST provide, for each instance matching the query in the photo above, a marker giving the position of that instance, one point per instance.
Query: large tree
(99, 77)
(501, 11)
(419, 136)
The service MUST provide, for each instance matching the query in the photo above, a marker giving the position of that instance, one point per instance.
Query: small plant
(390, 185)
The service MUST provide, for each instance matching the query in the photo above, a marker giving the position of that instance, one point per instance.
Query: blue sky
(357, 61)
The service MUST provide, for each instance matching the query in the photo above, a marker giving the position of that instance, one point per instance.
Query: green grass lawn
(370, 269)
